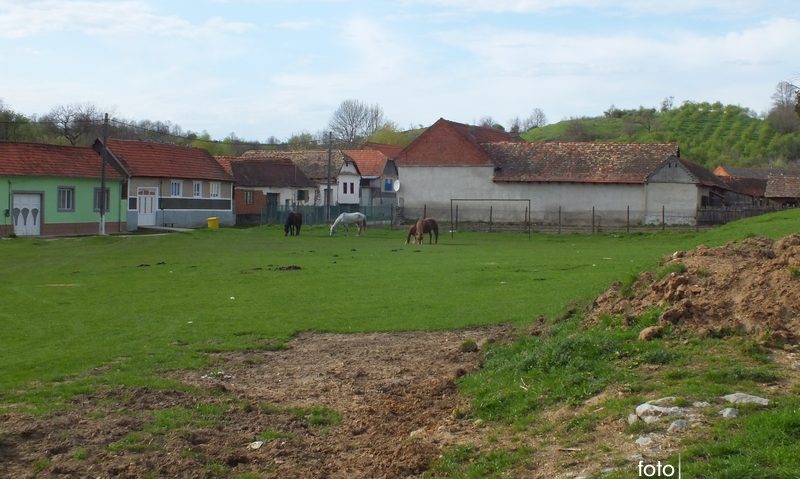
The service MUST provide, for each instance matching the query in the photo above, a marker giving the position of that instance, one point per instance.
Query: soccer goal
(490, 214)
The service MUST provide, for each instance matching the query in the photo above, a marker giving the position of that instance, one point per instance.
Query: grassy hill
(708, 133)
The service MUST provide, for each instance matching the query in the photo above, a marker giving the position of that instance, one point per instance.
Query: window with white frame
(215, 189)
(66, 198)
(176, 188)
(249, 197)
(197, 189)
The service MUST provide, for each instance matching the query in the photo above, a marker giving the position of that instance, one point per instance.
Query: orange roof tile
(447, 143)
(369, 162)
(141, 158)
(35, 159)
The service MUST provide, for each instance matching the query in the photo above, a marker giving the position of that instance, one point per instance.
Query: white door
(27, 214)
(147, 200)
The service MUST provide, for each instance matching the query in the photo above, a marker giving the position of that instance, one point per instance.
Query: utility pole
(102, 199)
(328, 192)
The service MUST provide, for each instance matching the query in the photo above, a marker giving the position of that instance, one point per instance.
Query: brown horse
(422, 226)
(294, 221)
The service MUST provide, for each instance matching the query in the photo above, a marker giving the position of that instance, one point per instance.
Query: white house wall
(434, 187)
(610, 201)
(679, 202)
(672, 191)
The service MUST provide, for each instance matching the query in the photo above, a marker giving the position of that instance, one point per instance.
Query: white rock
(678, 425)
(742, 398)
(647, 409)
(644, 441)
(651, 419)
(632, 418)
(700, 404)
(729, 413)
(255, 444)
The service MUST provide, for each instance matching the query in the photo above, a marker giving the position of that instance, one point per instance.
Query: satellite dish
(396, 186)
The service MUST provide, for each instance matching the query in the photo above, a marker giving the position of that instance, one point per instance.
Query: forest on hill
(707, 133)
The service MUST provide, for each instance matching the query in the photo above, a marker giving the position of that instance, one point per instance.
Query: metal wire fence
(497, 215)
(317, 215)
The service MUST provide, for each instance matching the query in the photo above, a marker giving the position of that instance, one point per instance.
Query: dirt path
(395, 393)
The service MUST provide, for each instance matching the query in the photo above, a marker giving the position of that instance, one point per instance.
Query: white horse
(359, 219)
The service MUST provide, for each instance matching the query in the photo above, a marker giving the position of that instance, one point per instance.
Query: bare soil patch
(395, 393)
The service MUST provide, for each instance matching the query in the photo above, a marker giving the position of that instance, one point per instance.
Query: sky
(262, 68)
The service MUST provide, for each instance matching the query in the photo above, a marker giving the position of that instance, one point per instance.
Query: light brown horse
(422, 226)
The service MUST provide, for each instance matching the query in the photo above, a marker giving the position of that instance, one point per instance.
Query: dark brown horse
(428, 225)
(294, 221)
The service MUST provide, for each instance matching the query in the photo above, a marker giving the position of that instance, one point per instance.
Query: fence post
(528, 221)
(452, 226)
(425, 211)
(490, 218)
(592, 219)
(663, 217)
(628, 220)
(559, 219)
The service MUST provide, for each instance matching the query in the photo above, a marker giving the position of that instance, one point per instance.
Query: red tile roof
(578, 162)
(370, 163)
(314, 163)
(141, 158)
(35, 159)
(783, 186)
(264, 172)
(447, 143)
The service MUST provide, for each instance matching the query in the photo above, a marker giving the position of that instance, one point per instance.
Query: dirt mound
(747, 287)
(331, 405)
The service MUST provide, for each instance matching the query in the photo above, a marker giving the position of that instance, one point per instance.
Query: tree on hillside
(536, 119)
(783, 116)
(77, 122)
(14, 126)
(302, 141)
(354, 120)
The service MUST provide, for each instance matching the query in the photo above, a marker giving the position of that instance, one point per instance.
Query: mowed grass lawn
(82, 312)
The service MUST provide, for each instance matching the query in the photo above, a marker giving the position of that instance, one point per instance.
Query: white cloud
(632, 6)
(34, 17)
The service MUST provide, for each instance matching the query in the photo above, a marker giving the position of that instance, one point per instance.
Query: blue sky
(278, 67)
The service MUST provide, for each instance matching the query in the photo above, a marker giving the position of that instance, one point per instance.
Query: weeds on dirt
(467, 461)
(274, 435)
(676, 267)
(320, 417)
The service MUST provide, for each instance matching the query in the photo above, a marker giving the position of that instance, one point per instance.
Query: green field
(80, 312)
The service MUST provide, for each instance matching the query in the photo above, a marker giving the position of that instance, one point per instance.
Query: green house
(51, 190)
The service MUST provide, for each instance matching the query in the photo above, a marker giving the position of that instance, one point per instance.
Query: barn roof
(783, 186)
(36, 159)
(259, 172)
(578, 162)
(745, 173)
(141, 158)
(314, 163)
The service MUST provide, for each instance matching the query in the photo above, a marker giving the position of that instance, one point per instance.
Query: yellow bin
(213, 222)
